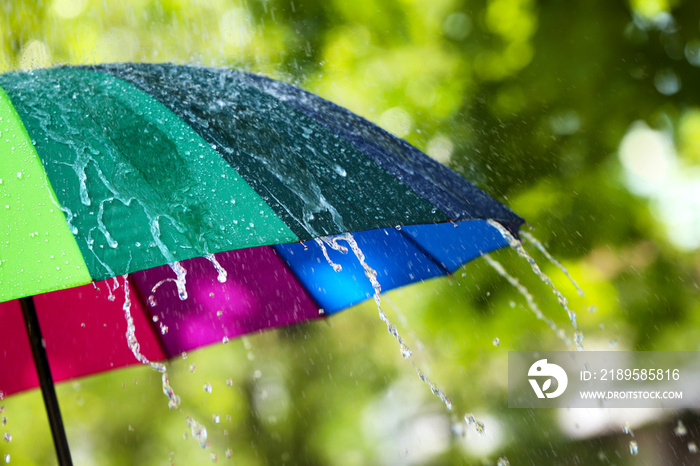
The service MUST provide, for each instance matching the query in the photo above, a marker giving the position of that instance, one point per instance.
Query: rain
(590, 134)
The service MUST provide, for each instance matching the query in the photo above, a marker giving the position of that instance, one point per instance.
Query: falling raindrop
(216, 418)
(199, 432)
(634, 448)
(692, 447)
(7, 458)
(478, 425)
(192, 367)
(207, 387)
(627, 429)
(503, 461)
(680, 429)
(496, 342)
(7, 437)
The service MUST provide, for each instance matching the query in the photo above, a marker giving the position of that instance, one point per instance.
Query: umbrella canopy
(122, 169)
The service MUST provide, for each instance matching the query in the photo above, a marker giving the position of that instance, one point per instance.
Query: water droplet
(82, 325)
(627, 429)
(503, 461)
(207, 387)
(224, 340)
(496, 342)
(216, 418)
(163, 328)
(612, 343)
(155, 318)
(184, 355)
(7, 437)
(229, 383)
(7, 458)
(219, 313)
(634, 449)
(192, 367)
(229, 453)
(131, 428)
(214, 458)
(199, 432)
(692, 447)
(19, 175)
(680, 429)
(478, 425)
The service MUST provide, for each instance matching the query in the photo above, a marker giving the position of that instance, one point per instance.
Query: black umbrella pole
(41, 362)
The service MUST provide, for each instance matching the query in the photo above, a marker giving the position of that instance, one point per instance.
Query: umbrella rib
(296, 278)
(425, 252)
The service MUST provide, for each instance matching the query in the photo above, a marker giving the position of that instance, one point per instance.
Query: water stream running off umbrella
(528, 298)
(372, 276)
(515, 244)
(199, 432)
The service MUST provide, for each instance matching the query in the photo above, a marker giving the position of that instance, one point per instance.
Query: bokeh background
(582, 116)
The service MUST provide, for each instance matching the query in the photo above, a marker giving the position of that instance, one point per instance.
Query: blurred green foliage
(530, 100)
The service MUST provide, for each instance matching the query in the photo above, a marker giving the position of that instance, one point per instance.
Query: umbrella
(189, 174)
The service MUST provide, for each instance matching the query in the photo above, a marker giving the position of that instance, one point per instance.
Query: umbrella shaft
(48, 391)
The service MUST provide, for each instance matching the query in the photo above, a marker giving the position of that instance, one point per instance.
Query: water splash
(470, 419)
(219, 269)
(680, 429)
(634, 448)
(436, 391)
(546, 253)
(180, 281)
(627, 429)
(322, 245)
(199, 432)
(518, 246)
(528, 298)
(173, 399)
(371, 274)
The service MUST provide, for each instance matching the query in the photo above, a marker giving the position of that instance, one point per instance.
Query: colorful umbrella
(123, 169)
